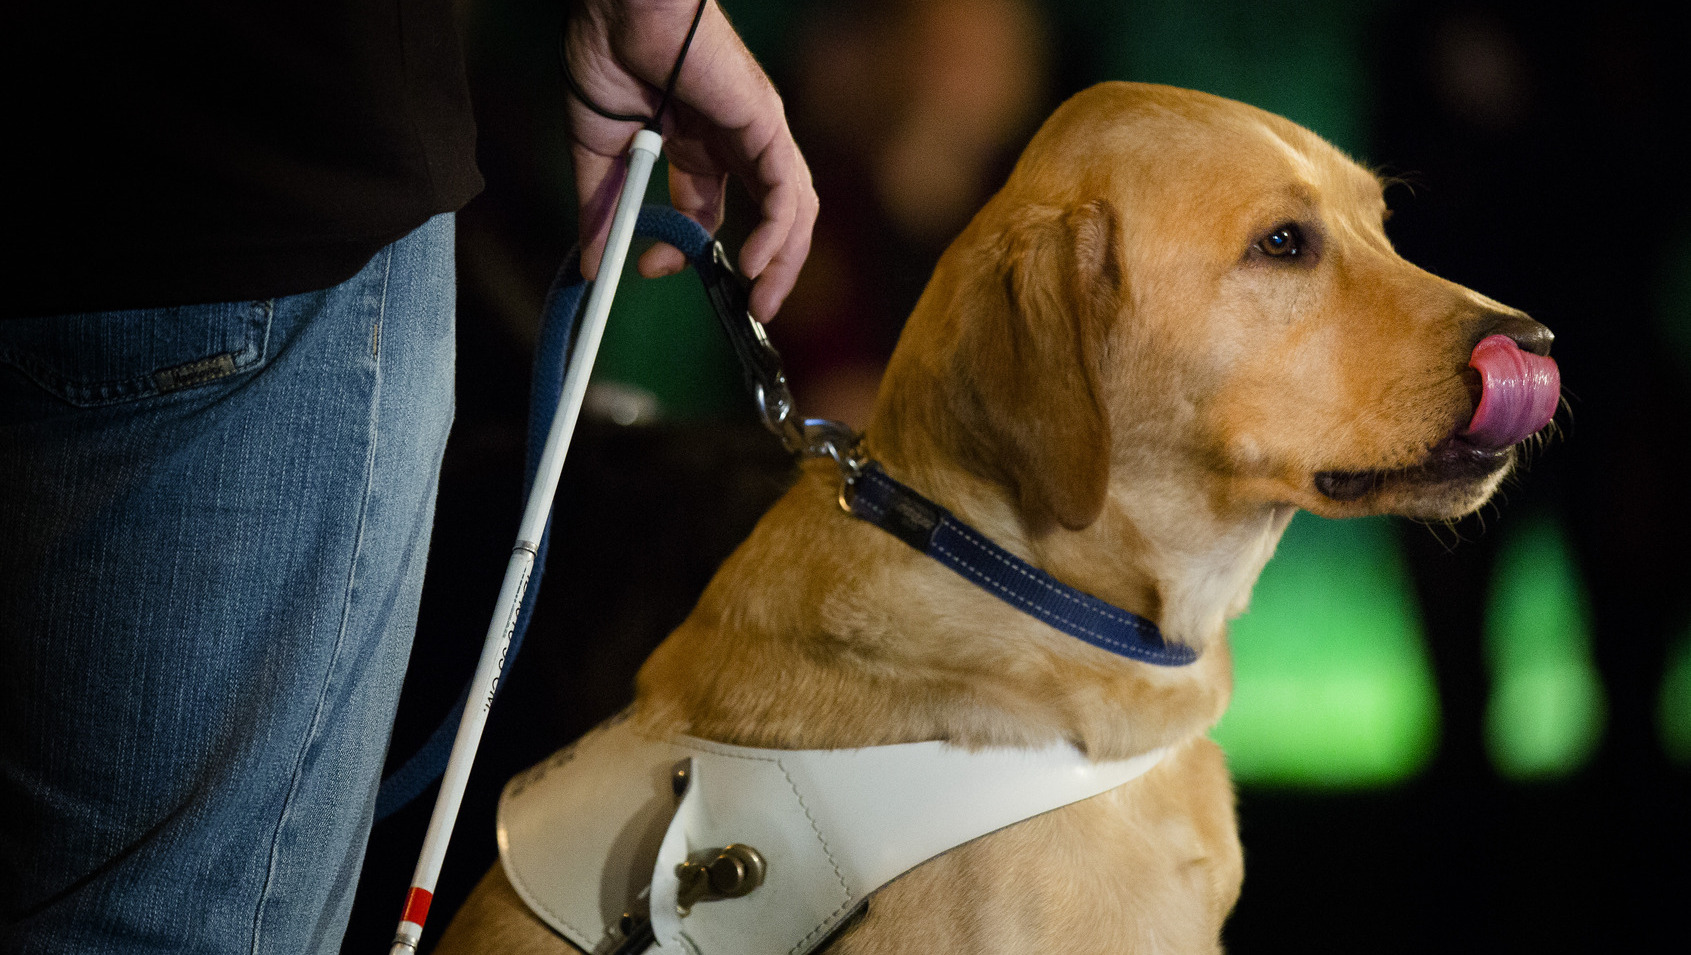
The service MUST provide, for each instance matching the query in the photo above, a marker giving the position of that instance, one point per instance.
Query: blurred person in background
(913, 113)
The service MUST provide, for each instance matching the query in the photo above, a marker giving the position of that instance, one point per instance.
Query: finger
(781, 183)
(660, 260)
(697, 195)
(790, 211)
(598, 180)
(729, 118)
(776, 282)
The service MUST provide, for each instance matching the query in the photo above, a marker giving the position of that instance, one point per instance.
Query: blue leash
(559, 326)
(871, 493)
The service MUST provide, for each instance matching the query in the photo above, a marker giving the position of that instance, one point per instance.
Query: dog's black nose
(1528, 335)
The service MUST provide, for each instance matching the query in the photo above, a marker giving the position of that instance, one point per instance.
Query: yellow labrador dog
(1179, 322)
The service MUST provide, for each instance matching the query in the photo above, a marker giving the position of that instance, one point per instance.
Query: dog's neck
(1159, 548)
(820, 615)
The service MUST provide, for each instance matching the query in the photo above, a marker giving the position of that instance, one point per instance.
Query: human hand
(724, 117)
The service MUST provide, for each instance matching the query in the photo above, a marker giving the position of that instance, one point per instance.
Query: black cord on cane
(650, 122)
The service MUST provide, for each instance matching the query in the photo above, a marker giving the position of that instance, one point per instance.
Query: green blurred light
(1303, 61)
(1673, 299)
(1332, 685)
(1674, 714)
(663, 339)
(1673, 313)
(1545, 715)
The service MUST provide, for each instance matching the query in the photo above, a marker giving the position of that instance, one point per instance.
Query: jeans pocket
(104, 358)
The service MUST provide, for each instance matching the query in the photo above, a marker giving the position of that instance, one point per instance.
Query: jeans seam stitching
(313, 731)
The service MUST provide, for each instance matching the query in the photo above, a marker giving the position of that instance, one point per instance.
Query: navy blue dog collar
(933, 530)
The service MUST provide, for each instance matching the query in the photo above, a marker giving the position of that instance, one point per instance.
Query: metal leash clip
(760, 364)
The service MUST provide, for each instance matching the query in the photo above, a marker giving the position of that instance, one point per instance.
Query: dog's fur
(1110, 377)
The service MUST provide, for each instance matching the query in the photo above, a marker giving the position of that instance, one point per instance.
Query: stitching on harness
(533, 898)
(845, 906)
(827, 850)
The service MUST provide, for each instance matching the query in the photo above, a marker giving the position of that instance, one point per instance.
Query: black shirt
(189, 151)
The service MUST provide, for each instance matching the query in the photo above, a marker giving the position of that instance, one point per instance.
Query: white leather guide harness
(587, 833)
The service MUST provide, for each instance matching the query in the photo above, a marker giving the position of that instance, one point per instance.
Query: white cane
(642, 154)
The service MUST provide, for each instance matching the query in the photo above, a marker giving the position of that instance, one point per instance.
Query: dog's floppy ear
(1031, 352)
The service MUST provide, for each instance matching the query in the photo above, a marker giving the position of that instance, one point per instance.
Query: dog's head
(1177, 286)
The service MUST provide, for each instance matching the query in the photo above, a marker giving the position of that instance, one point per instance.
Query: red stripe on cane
(417, 905)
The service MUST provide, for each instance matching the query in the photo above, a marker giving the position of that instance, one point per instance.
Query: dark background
(1543, 145)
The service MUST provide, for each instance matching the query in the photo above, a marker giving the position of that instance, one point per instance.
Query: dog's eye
(1283, 243)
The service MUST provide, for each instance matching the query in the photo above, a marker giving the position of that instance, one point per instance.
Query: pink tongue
(1520, 393)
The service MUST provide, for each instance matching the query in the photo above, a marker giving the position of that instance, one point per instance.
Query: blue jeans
(213, 527)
